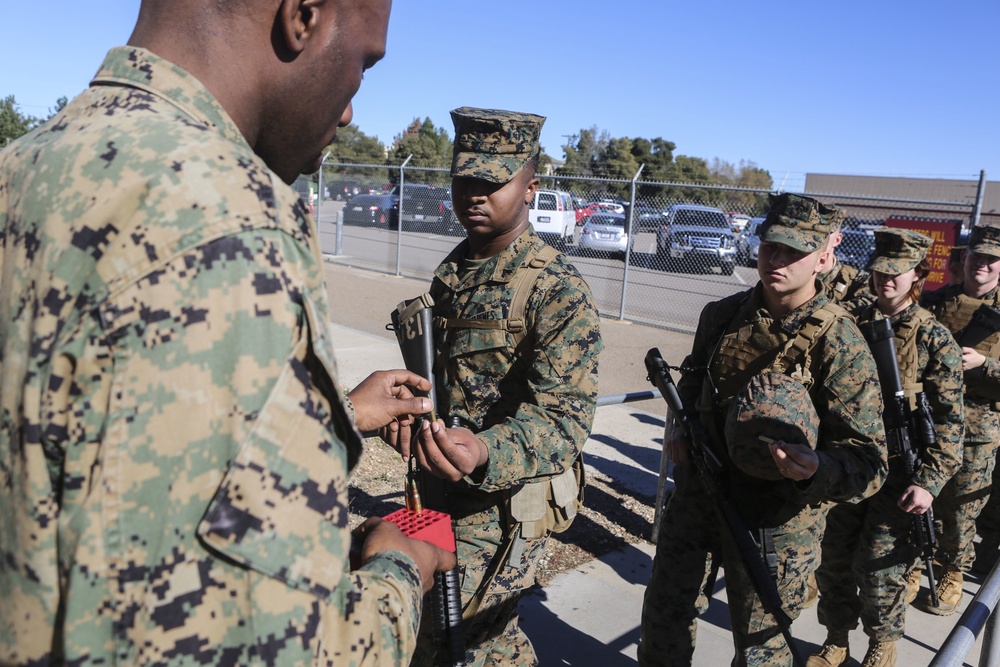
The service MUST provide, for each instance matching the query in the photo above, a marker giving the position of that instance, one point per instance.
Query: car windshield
(612, 220)
(697, 218)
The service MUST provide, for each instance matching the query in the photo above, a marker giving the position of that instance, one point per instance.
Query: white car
(553, 215)
(604, 233)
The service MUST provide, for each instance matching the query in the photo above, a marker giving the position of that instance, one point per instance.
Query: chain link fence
(653, 253)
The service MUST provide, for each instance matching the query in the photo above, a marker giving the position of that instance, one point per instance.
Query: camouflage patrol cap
(985, 239)
(898, 250)
(796, 221)
(492, 144)
(835, 219)
(775, 406)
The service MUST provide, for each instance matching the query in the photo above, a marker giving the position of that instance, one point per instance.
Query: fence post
(629, 229)
(319, 189)
(399, 218)
(980, 193)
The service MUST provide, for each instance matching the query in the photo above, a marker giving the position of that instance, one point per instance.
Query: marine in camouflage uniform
(868, 547)
(964, 497)
(175, 449)
(843, 283)
(737, 338)
(530, 401)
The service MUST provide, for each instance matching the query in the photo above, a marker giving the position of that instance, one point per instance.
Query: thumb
(417, 405)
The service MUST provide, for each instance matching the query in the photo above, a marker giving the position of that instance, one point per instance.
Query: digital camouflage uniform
(846, 285)
(174, 452)
(736, 339)
(868, 547)
(532, 403)
(964, 497)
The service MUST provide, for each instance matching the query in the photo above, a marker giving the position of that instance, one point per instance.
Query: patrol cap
(898, 250)
(492, 144)
(798, 222)
(777, 407)
(985, 239)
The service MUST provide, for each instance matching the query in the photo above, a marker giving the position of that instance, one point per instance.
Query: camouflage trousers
(960, 503)
(868, 551)
(988, 522)
(492, 636)
(691, 537)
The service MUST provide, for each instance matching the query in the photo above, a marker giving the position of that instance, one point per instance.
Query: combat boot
(880, 654)
(913, 584)
(812, 592)
(949, 592)
(835, 651)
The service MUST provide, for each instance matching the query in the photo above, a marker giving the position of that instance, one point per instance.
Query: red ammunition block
(427, 525)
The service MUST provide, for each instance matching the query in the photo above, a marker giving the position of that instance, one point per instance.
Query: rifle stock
(984, 323)
(903, 427)
(709, 469)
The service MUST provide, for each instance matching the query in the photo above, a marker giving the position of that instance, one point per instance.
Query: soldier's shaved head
(284, 70)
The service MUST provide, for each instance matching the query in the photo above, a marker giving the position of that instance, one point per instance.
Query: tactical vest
(955, 314)
(907, 354)
(550, 504)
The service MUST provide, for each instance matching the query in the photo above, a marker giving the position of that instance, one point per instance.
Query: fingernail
(436, 426)
(425, 404)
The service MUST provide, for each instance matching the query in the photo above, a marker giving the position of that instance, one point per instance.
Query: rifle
(984, 323)
(412, 323)
(907, 432)
(710, 470)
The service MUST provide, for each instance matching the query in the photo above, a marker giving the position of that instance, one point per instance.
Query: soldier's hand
(449, 453)
(379, 535)
(915, 500)
(971, 359)
(677, 447)
(794, 461)
(384, 397)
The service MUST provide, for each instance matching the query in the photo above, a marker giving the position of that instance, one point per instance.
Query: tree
(430, 147)
(13, 123)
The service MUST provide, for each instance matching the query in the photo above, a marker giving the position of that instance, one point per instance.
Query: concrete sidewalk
(590, 616)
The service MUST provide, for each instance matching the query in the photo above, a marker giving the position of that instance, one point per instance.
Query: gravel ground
(612, 515)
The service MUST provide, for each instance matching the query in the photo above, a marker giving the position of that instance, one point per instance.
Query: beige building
(871, 199)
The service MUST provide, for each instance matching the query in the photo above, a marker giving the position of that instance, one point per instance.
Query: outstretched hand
(384, 398)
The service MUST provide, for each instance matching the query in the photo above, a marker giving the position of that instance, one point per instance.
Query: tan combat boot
(812, 592)
(880, 654)
(835, 651)
(949, 592)
(913, 584)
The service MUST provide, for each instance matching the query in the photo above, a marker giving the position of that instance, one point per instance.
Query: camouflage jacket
(846, 285)
(982, 414)
(535, 408)
(174, 452)
(939, 370)
(844, 391)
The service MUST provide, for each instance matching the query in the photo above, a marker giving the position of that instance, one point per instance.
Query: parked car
(647, 218)
(855, 248)
(373, 211)
(738, 221)
(587, 210)
(748, 243)
(697, 237)
(553, 215)
(342, 190)
(604, 233)
(426, 207)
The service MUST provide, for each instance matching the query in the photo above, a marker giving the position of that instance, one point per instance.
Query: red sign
(945, 235)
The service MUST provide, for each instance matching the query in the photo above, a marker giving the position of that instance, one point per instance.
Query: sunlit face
(322, 79)
(492, 210)
(981, 270)
(785, 271)
(893, 292)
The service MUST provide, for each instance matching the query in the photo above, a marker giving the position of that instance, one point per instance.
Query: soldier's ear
(296, 21)
(530, 189)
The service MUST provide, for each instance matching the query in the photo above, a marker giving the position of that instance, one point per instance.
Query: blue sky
(884, 88)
